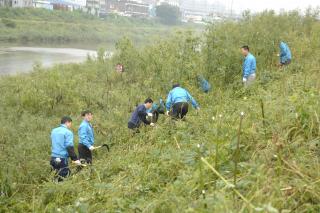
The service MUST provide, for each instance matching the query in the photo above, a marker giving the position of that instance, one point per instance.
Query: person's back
(58, 136)
(153, 108)
(178, 98)
(156, 110)
(205, 85)
(285, 54)
(62, 148)
(179, 94)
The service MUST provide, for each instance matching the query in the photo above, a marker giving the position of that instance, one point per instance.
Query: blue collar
(248, 55)
(87, 122)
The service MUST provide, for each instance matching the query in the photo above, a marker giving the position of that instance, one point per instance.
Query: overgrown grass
(44, 26)
(160, 169)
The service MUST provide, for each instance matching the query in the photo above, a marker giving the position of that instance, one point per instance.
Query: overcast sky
(260, 5)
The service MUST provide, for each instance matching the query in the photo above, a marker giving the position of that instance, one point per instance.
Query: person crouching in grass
(178, 101)
(140, 115)
(285, 54)
(86, 138)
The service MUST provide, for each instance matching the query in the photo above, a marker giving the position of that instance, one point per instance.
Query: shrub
(8, 23)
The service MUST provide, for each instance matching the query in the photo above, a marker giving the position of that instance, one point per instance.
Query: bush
(168, 14)
(8, 23)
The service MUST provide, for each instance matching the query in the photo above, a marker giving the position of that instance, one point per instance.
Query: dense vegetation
(168, 14)
(167, 168)
(44, 26)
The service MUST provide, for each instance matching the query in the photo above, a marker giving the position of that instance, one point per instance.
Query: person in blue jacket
(156, 110)
(86, 138)
(178, 102)
(205, 85)
(62, 148)
(285, 54)
(248, 67)
(140, 116)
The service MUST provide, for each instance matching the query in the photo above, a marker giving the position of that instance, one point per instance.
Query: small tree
(168, 14)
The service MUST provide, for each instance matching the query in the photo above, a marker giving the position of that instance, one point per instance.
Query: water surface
(22, 59)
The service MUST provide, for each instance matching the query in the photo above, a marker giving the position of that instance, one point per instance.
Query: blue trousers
(61, 168)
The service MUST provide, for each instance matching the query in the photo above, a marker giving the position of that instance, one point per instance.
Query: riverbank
(39, 26)
(62, 29)
(208, 163)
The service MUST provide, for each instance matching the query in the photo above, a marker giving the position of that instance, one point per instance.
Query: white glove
(167, 113)
(91, 148)
(150, 114)
(198, 108)
(77, 162)
(244, 80)
(152, 124)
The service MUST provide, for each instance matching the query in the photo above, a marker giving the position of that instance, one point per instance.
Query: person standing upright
(86, 137)
(249, 66)
(62, 148)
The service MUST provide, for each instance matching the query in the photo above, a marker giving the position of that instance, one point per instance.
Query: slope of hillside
(42, 26)
(164, 169)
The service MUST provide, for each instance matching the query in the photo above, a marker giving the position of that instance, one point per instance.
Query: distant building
(43, 4)
(149, 2)
(137, 9)
(200, 10)
(194, 10)
(16, 3)
(170, 2)
(5, 3)
(103, 8)
(68, 5)
(127, 8)
(93, 7)
(21, 3)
